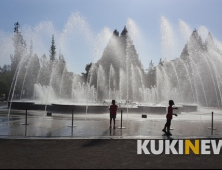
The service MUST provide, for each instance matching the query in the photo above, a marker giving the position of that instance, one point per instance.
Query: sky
(82, 28)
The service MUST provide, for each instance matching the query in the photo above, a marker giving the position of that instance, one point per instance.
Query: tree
(19, 59)
(151, 74)
(87, 68)
(161, 62)
(52, 50)
(19, 48)
(61, 59)
(5, 68)
(32, 75)
(45, 71)
(151, 66)
(5, 79)
(124, 32)
(116, 33)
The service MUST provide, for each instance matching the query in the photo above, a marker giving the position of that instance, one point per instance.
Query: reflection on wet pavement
(186, 125)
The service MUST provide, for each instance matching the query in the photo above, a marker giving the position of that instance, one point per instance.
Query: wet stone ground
(48, 142)
(186, 125)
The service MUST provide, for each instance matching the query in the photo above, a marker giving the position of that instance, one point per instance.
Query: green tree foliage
(19, 49)
(31, 75)
(121, 53)
(85, 75)
(5, 80)
(161, 62)
(124, 32)
(116, 33)
(44, 76)
(28, 69)
(19, 60)
(61, 59)
(52, 50)
(151, 74)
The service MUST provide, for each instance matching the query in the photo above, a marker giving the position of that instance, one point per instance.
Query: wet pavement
(96, 126)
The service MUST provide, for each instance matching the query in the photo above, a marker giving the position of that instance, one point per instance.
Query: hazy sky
(82, 27)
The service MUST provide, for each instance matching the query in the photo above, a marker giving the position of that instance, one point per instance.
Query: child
(169, 117)
(113, 110)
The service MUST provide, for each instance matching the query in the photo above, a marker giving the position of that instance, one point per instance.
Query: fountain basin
(21, 105)
(96, 108)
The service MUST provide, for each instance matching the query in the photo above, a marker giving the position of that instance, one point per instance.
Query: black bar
(121, 121)
(72, 117)
(212, 123)
(121, 118)
(26, 117)
(72, 120)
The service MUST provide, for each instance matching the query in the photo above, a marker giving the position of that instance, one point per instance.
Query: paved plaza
(59, 125)
(48, 142)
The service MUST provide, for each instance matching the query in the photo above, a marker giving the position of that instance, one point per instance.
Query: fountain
(191, 79)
